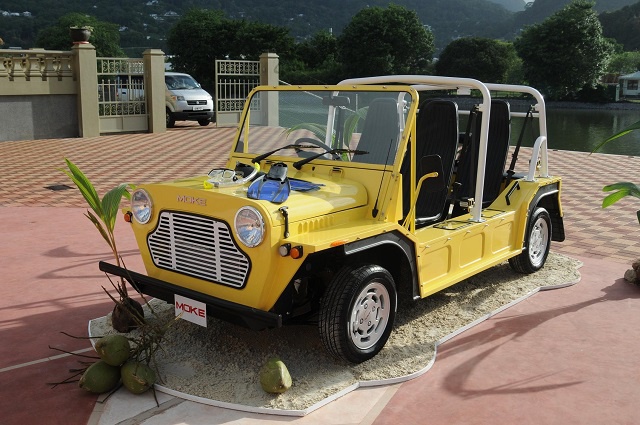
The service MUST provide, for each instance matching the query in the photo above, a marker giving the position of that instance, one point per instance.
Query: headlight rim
(135, 211)
(261, 221)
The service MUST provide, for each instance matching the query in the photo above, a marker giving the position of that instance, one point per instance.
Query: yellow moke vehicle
(337, 200)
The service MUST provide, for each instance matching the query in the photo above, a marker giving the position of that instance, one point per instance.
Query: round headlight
(249, 226)
(141, 206)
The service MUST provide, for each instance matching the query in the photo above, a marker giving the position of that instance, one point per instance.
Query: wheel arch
(548, 197)
(394, 252)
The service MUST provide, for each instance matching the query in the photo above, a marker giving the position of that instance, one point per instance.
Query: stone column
(155, 89)
(270, 76)
(85, 72)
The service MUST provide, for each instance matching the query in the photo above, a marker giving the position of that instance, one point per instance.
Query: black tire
(355, 294)
(171, 121)
(204, 123)
(536, 244)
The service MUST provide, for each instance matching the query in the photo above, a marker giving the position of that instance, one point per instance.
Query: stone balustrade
(36, 63)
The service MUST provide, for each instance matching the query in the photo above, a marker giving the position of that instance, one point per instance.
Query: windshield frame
(392, 156)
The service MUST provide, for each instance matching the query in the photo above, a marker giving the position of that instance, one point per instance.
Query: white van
(186, 100)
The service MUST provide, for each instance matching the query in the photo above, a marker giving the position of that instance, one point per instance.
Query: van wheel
(204, 123)
(536, 244)
(357, 312)
(171, 122)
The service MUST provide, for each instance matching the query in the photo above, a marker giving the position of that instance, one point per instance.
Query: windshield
(360, 126)
(180, 82)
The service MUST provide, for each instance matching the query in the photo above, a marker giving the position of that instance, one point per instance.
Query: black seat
(380, 132)
(436, 134)
(496, 158)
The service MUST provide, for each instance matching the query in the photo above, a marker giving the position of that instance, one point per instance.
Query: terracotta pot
(79, 35)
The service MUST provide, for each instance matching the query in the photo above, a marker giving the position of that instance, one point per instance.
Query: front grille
(200, 247)
(196, 102)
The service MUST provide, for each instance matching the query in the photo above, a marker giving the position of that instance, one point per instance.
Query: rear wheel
(536, 244)
(171, 121)
(357, 312)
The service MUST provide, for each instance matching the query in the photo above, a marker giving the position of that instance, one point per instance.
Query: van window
(180, 82)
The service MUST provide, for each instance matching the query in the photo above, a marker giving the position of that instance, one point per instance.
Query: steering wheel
(310, 141)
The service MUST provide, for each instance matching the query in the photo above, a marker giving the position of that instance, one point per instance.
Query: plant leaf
(351, 123)
(99, 226)
(111, 203)
(85, 186)
(317, 130)
(613, 198)
(632, 127)
(632, 188)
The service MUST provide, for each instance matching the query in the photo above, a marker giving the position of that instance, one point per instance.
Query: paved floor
(566, 356)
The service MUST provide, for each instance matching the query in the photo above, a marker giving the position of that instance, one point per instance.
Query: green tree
(624, 63)
(202, 36)
(566, 52)
(104, 35)
(193, 43)
(315, 61)
(480, 58)
(381, 41)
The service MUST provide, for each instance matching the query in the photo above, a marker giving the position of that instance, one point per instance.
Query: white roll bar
(432, 82)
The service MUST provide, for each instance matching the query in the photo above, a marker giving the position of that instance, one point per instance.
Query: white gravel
(221, 362)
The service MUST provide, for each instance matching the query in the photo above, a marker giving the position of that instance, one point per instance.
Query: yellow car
(337, 200)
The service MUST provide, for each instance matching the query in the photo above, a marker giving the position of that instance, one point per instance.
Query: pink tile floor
(564, 356)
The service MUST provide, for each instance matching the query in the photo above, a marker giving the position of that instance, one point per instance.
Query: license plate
(191, 310)
(199, 108)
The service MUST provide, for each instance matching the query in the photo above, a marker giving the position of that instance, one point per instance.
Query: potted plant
(80, 34)
(622, 189)
(127, 313)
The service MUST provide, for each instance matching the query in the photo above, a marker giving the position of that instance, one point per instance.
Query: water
(583, 129)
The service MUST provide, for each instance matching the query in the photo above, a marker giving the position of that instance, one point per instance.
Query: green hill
(144, 23)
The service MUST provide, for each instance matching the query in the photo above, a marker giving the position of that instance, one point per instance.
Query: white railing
(122, 103)
(234, 81)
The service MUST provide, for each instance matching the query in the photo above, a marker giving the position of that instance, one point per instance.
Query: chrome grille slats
(198, 246)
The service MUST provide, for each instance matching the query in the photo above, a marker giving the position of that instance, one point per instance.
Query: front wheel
(170, 120)
(357, 312)
(536, 244)
(204, 123)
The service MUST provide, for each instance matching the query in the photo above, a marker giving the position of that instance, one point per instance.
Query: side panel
(456, 249)
(464, 250)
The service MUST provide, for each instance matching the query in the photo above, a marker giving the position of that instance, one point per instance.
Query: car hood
(191, 194)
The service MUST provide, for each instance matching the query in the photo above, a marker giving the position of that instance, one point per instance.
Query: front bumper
(193, 115)
(221, 309)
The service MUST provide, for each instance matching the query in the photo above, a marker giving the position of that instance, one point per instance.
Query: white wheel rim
(538, 242)
(369, 315)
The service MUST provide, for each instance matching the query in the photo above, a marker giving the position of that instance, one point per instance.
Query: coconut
(127, 315)
(100, 377)
(137, 377)
(274, 376)
(113, 349)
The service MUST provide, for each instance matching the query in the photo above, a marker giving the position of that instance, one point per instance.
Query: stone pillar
(85, 70)
(270, 76)
(269, 69)
(155, 89)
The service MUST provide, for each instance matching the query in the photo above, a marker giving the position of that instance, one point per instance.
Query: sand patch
(219, 364)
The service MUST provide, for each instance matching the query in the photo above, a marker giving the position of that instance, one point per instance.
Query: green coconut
(113, 349)
(100, 377)
(274, 376)
(137, 377)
